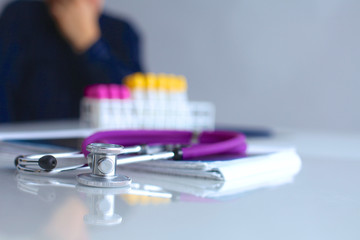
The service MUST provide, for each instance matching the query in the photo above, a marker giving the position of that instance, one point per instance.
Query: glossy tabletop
(321, 202)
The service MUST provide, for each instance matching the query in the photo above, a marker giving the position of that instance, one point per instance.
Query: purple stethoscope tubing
(176, 145)
(208, 142)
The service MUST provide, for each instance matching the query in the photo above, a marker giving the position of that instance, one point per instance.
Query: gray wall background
(263, 63)
(272, 63)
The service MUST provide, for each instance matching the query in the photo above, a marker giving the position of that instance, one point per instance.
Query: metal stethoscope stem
(48, 162)
(102, 160)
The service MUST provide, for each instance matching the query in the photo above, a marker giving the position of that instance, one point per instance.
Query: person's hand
(78, 21)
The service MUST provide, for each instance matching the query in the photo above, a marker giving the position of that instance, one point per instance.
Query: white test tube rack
(146, 101)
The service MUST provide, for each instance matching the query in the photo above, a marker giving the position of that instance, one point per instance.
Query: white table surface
(323, 202)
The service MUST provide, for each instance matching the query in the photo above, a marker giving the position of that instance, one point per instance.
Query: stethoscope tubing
(207, 143)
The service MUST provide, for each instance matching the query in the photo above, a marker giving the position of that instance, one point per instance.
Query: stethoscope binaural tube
(47, 162)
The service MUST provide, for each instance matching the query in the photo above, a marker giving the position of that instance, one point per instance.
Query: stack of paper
(259, 163)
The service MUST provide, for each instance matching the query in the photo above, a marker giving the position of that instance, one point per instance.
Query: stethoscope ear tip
(47, 162)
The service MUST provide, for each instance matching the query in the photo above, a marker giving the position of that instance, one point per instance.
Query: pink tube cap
(124, 92)
(107, 91)
(98, 91)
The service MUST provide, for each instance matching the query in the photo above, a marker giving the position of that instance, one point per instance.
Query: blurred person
(50, 50)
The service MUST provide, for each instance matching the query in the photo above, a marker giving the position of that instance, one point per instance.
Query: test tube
(151, 101)
(162, 101)
(115, 106)
(184, 119)
(136, 83)
(126, 107)
(97, 103)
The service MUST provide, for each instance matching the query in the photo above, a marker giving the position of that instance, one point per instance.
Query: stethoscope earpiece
(47, 162)
(17, 159)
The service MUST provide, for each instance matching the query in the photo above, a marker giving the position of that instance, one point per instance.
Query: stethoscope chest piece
(91, 180)
(102, 160)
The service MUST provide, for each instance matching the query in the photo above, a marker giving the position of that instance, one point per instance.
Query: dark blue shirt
(41, 78)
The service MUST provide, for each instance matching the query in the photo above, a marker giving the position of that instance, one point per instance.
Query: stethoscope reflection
(147, 189)
(39, 186)
(100, 202)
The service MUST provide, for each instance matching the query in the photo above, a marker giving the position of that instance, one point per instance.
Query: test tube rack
(145, 101)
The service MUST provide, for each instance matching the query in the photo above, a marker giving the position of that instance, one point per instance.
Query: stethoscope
(102, 203)
(107, 149)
